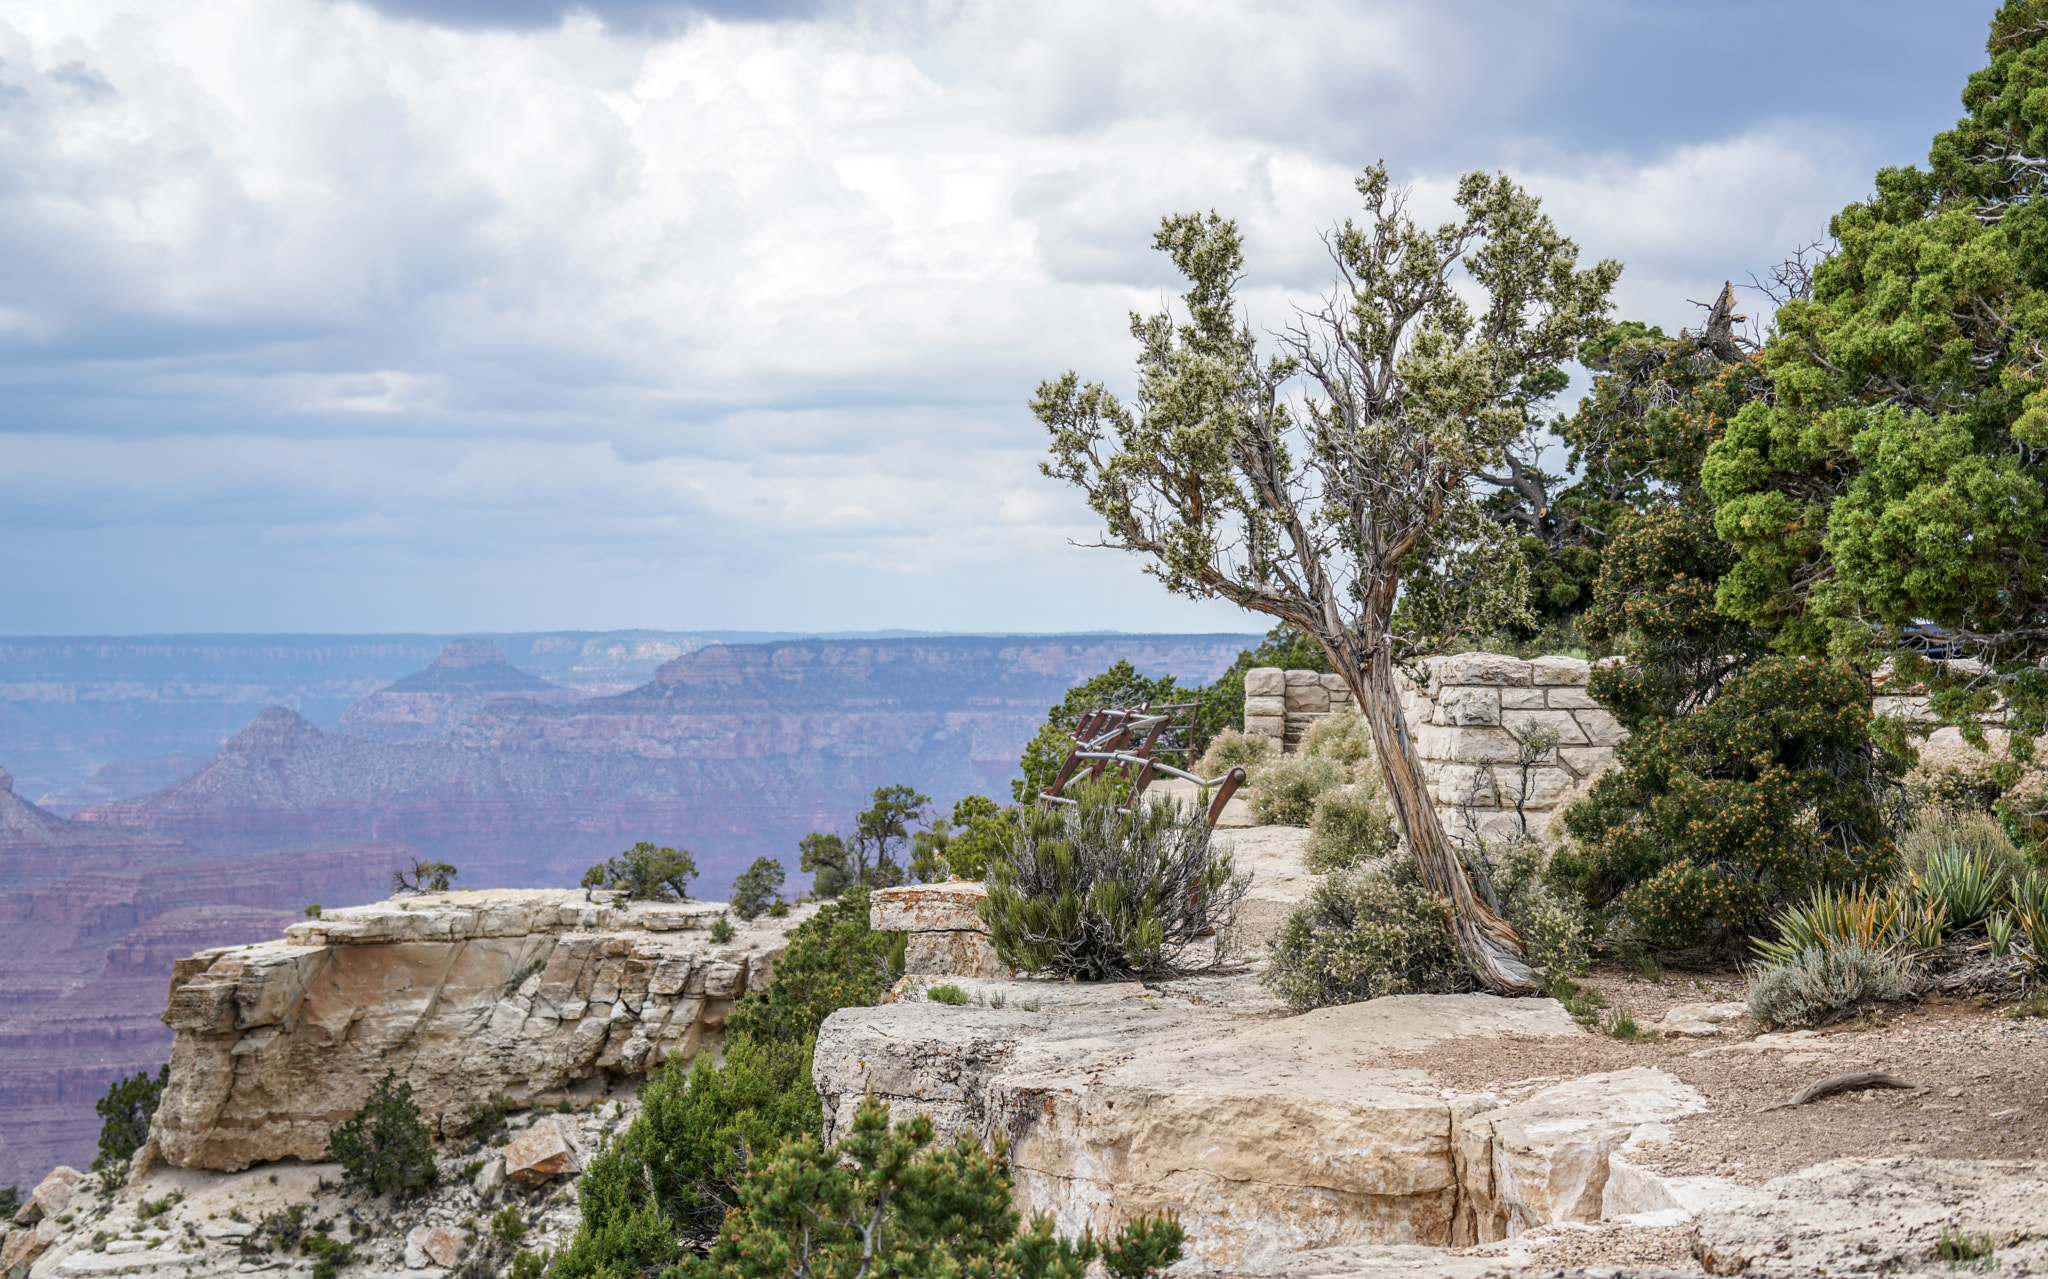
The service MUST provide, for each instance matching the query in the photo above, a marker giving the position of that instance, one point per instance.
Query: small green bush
(329, 1255)
(1344, 739)
(1351, 824)
(1286, 790)
(1555, 928)
(124, 1114)
(722, 930)
(508, 1228)
(1364, 932)
(758, 887)
(947, 994)
(1824, 983)
(423, 877)
(1098, 894)
(884, 1204)
(1231, 749)
(1623, 1025)
(383, 1148)
(10, 1202)
(1956, 1248)
(646, 873)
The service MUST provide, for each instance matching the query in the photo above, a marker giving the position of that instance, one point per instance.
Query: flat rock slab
(1268, 1134)
(1882, 1216)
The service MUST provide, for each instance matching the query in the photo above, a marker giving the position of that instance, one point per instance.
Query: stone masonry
(1476, 719)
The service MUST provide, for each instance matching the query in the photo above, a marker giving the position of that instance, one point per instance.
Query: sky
(462, 315)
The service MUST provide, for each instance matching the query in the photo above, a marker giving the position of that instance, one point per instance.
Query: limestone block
(1265, 681)
(1335, 683)
(924, 908)
(1306, 696)
(1522, 699)
(1466, 785)
(1480, 668)
(19, 1250)
(435, 1246)
(1571, 699)
(959, 953)
(542, 1152)
(724, 979)
(1701, 1021)
(1649, 1198)
(50, 1197)
(1879, 1216)
(1273, 726)
(1273, 705)
(1560, 670)
(1601, 729)
(1545, 1159)
(1587, 761)
(1546, 787)
(1467, 706)
(1476, 746)
(1523, 723)
(1301, 679)
(490, 1180)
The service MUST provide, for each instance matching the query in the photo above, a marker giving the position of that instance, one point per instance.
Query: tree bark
(1489, 944)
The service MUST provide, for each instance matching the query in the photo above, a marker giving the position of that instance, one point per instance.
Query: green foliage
(1895, 481)
(1343, 739)
(869, 857)
(834, 961)
(1287, 789)
(508, 1228)
(1094, 893)
(882, 1204)
(313, 911)
(124, 1114)
(758, 887)
(1765, 792)
(646, 873)
(1352, 824)
(1956, 1248)
(530, 1265)
(1222, 703)
(329, 1254)
(1825, 983)
(484, 1121)
(675, 1171)
(1553, 926)
(10, 1202)
(1623, 1025)
(1231, 749)
(722, 930)
(1119, 686)
(1368, 931)
(1582, 1002)
(383, 1148)
(423, 877)
(947, 994)
(1867, 917)
(979, 832)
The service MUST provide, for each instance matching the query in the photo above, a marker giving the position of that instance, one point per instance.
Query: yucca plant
(2030, 905)
(1866, 916)
(1998, 929)
(1970, 888)
(1926, 924)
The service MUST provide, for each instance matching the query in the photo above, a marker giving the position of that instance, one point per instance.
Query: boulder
(1701, 1021)
(20, 1249)
(541, 1153)
(946, 934)
(50, 1197)
(490, 1180)
(1882, 1216)
(440, 1246)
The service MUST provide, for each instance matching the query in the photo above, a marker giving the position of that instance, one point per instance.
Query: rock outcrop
(543, 995)
(467, 675)
(1267, 1133)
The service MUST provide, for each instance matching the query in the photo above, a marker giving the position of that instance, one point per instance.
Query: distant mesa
(33, 839)
(468, 674)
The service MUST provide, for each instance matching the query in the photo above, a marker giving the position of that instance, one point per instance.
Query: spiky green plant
(1866, 916)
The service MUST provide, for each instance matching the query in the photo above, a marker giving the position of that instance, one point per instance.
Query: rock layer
(535, 993)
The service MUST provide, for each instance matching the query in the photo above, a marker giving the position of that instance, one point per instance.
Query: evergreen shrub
(1366, 931)
(383, 1148)
(125, 1113)
(758, 887)
(1352, 824)
(645, 872)
(1098, 894)
(1755, 798)
(884, 1204)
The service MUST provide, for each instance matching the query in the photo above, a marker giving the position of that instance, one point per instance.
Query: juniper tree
(1891, 500)
(1323, 508)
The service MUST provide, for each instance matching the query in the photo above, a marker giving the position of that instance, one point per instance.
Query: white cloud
(755, 304)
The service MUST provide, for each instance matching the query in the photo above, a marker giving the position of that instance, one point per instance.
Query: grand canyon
(150, 837)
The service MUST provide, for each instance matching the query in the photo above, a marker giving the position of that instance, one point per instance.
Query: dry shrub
(1287, 789)
(1344, 738)
(1824, 983)
(1352, 824)
(1231, 749)
(1366, 931)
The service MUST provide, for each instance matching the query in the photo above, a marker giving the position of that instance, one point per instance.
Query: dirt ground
(1981, 1080)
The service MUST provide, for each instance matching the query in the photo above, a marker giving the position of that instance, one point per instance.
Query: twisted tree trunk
(1490, 945)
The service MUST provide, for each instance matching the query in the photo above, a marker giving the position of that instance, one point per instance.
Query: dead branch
(1855, 1081)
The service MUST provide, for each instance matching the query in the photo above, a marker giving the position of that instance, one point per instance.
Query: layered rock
(467, 675)
(734, 752)
(539, 994)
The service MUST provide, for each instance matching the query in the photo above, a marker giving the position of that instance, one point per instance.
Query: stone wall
(1470, 717)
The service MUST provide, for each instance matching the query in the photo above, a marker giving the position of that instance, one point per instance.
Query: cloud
(431, 312)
